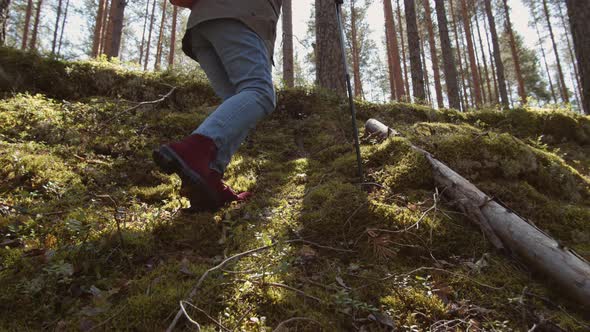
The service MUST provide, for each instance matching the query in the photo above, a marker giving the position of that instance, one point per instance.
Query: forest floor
(94, 237)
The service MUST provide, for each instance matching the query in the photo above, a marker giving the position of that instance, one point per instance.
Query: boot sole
(199, 193)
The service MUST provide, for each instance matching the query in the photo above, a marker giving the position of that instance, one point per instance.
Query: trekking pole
(350, 95)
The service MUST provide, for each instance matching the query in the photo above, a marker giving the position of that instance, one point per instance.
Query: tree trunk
(56, 29)
(564, 92)
(288, 56)
(433, 54)
(402, 34)
(356, 66)
(505, 229)
(471, 53)
(106, 19)
(98, 27)
(460, 58)
(496, 94)
(146, 15)
(116, 27)
(544, 56)
(515, 55)
(63, 27)
(450, 69)
(485, 61)
(579, 14)
(173, 37)
(497, 55)
(4, 4)
(414, 50)
(395, 70)
(329, 63)
(426, 78)
(36, 25)
(161, 37)
(107, 41)
(149, 41)
(28, 14)
(566, 28)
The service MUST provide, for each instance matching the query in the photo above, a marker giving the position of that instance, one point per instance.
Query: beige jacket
(259, 15)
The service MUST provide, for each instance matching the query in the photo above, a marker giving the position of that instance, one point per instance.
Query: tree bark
(429, 99)
(356, 66)
(497, 55)
(98, 27)
(106, 19)
(173, 37)
(496, 94)
(579, 14)
(56, 29)
(402, 34)
(107, 41)
(515, 55)
(450, 69)
(395, 71)
(288, 55)
(485, 61)
(161, 37)
(414, 50)
(433, 54)
(564, 92)
(465, 101)
(505, 229)
(116, 27)
(28, 14)
(63, 27)
(566, 28)
(149, 41)
(145, 20)
(36, 25)
(471, 53)
(329, 63)
(4, 5)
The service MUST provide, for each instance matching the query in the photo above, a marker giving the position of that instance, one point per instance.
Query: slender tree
(471, 53)
(450, 70)
(356, 66)
(567, 31)
(149, 41)
(288, 56)
(402, 34)
(497, 55)
(161, 37)
(329, 64)
(173, 37)
(425, 70)
(56, 29)
(4, 5)
(465, 100)
(28, 14)
(484, 59)
(515, 55)
(36, 25)
(496, 94)
(535, 22)
(106, 18)
(414, 50)
(579, 15)
(433, 54)
(63, 27)
(395, 70)
(146, 16)
(564, 92)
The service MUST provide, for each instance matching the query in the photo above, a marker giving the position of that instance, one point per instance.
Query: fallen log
(505, 229)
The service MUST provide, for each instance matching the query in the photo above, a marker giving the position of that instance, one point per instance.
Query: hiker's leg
(246, 61)
(212, 66)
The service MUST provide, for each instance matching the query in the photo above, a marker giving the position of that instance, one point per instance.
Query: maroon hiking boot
(190, 159)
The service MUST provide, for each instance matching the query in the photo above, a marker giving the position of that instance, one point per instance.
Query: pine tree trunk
(471, 53)
(450, 70)
(146, 15)
(36, 25)
(402, 34)
(98, 27)
(414, 50)
(564, 93)
(288, 57)
(465, 101)
(116, 27)
(566, 28)
(433, 54)
(425, 70)
(579, 14)
(543, 54)
(497, 55)
(173, 37)
(28, 14)
(395, 71)
(63, 26)
(329, 63)
(161, 37)
(515, 55)
(56, 29)
(4, 4)
(356, 66)
(484, 59)
(496, 94)
(106, 19)
(149, 41)
(107, 42)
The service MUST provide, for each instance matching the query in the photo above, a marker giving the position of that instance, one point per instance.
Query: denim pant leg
(246, 61)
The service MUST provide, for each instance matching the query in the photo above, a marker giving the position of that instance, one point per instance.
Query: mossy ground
(93, 236)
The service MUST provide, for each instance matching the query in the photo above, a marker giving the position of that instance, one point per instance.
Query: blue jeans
(238, 65)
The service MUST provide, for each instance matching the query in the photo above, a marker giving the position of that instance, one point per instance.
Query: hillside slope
(93, 235)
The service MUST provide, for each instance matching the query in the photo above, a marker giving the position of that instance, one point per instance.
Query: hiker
(233, 41)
